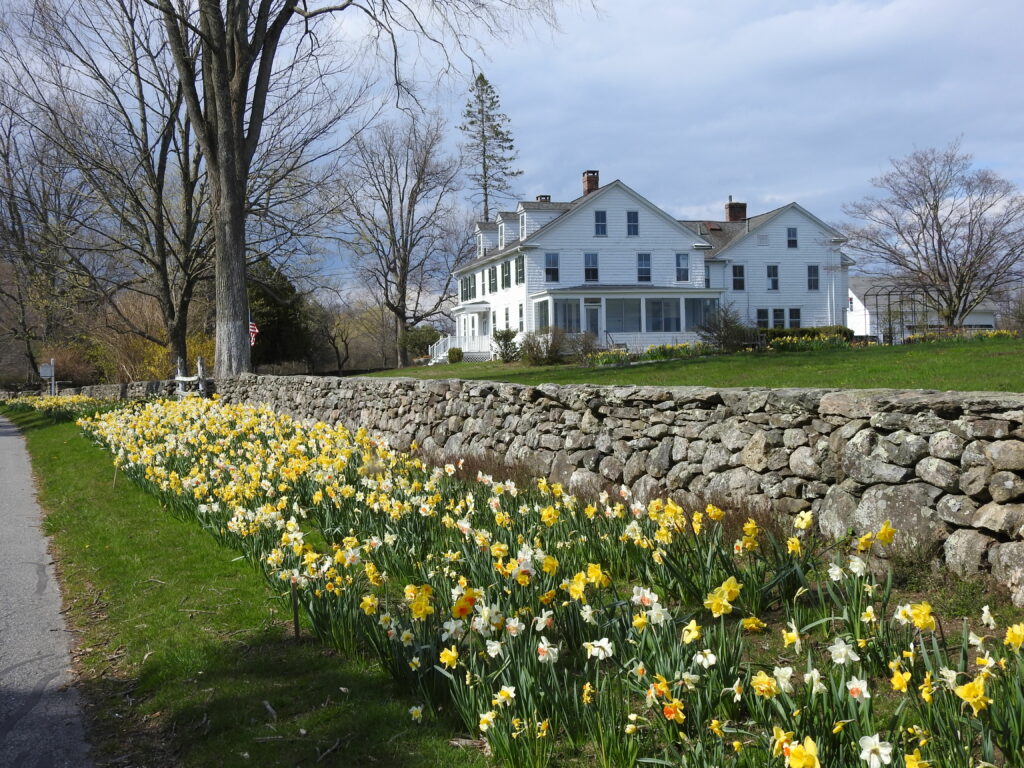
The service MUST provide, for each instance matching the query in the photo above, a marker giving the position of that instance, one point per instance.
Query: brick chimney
(590, 182)
(735, 211)
(543, 198)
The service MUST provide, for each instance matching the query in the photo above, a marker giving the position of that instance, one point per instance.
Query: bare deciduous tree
(401, 221)
(41, 207)
(954, 233)
(244, 48)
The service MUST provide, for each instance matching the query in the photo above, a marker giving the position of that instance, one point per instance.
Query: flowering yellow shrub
(643, 630)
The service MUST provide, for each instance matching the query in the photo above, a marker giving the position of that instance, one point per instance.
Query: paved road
(40, 717)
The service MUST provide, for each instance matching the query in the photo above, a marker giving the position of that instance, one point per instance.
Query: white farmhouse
(613, 264)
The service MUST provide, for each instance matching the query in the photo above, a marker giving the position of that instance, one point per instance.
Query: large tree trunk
(232, 333)
(400, 348)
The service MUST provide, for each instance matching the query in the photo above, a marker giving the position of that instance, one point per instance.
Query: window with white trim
(778, 318)
(551, 267)
(520, 270)
(791, 238)
(643, 267)
(632, 223)
(739, 277)
(506, 274)
(682, 267)
(812, 277)
(772, 274)
(600, 223)
(794, 317)
(590, 272)
(492, 280)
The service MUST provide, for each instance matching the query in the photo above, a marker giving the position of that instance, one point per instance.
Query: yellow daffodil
(886, 533)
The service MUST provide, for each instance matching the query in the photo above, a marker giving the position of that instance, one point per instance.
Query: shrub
(542, 348)
(505, 342)
(582, 346)
(725, 330)
(455, 354)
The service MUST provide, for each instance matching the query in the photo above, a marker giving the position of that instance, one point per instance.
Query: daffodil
(691, 632)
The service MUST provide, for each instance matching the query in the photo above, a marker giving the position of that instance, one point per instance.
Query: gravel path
(40, 715)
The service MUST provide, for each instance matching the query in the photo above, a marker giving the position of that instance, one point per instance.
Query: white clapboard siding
(826, 306)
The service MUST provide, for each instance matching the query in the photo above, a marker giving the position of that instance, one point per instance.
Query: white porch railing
(473, 348)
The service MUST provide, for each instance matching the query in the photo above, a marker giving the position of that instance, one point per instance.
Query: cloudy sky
(689, 101)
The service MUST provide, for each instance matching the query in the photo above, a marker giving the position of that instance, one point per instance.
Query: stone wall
(946, 468)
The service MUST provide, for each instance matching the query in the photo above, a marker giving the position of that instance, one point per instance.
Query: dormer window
(480, 245)
(501, 235)
(522, 226)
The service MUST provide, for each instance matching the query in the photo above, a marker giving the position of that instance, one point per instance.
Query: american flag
(253, 331)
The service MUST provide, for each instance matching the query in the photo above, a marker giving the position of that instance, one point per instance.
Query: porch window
(622, 315)
(590, 267)
(567, 315)
(698, 311)
(663, 315)
(778, 318)
(762, 318)
(551, 267)
(540, 316)
(682, 267)
(794, 317)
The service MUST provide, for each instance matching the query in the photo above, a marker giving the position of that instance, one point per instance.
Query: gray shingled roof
(723, 233)
(537, 205)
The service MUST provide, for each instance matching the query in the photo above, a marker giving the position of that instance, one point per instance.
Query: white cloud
(768, 101)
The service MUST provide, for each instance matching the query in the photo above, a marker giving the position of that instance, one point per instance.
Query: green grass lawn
(996, 365)
(185, 656)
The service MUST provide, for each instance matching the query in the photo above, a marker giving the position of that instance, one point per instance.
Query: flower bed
(61, 407)
(554, 624)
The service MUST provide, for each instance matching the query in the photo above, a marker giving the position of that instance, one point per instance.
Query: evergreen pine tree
(489, 148)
